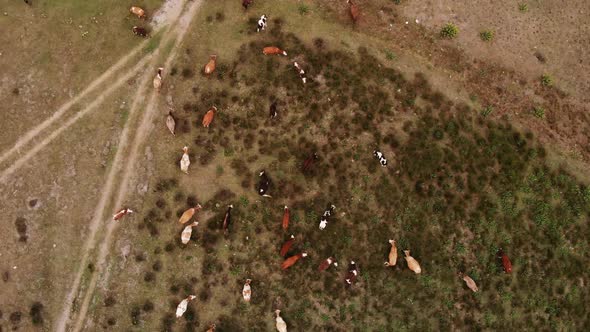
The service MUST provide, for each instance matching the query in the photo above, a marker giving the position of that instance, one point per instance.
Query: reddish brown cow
(506, 263)
(246, 3)
(121, 213)
(292, 260)
(208, 118)
(272, 50)
(354, 11)
(308, 163)
(326, 263)
(286, 218)
(287, 245)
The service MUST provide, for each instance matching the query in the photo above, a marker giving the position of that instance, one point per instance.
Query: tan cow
(412, 263)
(170, 123)
(211, 328)
(392, 254)
(185, 162)
(272, 50)
(181, 308)
(188, 214)
(470, 283)
(210, 66)
(208, 118)
(137, 11)
(281, 325)
(158, 80)
(187, 232)
(247, 291)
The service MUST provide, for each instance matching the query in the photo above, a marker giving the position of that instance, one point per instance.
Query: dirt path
(128, 159)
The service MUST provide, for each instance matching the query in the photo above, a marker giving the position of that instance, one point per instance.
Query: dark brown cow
(352, 274)
(246, 3)
(273, 109)
(308, 163)
(326, 263)
(139, 31)
(264, 184)
(227, 220)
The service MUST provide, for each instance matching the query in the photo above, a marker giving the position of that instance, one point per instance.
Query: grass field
(461, 182)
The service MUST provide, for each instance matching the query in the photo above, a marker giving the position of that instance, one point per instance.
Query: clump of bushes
(449, 31)
(486, 35)
(539, 112)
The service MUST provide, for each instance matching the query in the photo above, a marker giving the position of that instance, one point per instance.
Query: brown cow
(292, 260)
(188, 214)
(506, 263)
(287, 245)
(392, 258)
(210, 66)
(227, 220)
(137, 11)
(211, 328)
(121, 213)
(354, 11)
(353, 273)
(246, 3)
(286, 218)
(412, 263)
(208, 118)
(272, 50)
(308, 163)
(470, 283)
(326, 263)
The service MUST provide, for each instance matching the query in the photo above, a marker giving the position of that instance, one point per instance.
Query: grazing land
(482, 155)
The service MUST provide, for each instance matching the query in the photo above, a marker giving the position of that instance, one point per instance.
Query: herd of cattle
(264, 184)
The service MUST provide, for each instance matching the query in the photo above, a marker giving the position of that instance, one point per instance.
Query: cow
(28, 2)
(263, 184)
(412, 263)
(246, 3)
(286, 217)
(353, 273)
(392, 257)
(170, 123)
(188, 214)
(208, 118)
(211, 328)
(273, 50)
(247, 291)
(354, 10)
(309, 161)
(227, 220)
(281, 325)
(261, 25)
(300, 71)
(183, 304)
(287, 245)
(470, 283)
(121, 213)
(327, 214)
(506, 263)
(137, 11)
(273, 110)
(187, 232)
(210, 66)
(326, 264)
(158, 80)
(292, 260)
(139, 31)
(185, 161)
(380, 157)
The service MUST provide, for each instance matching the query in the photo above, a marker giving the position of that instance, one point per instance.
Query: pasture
(468, 172)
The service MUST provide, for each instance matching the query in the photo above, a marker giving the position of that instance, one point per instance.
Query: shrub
(303, 9)
(539, 112)
(487, 111)
(546, 80)
(523, 7)
(389, 55)
(486, 35)
(37, 313)
(449, 31)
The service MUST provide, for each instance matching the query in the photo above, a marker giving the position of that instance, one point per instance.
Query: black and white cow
(327, 214)
(264, 184)
(352, 274)
(261, 23)
(273, 109)
(300, 71)
(380, 157)
(139, 31)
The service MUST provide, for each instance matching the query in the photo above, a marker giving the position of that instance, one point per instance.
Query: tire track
(129, 160)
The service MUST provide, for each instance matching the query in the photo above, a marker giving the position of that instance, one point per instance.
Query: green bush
(523, 7)
(303, 9)
(546, 80)
(486, 35)
(487, 111)
(449, 31)
(539, 112)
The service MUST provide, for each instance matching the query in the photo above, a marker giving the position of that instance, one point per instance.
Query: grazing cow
(261, 23)
(246, 3)
(281, 325)
(170, 123)
(182, 305)
(139, 31)
(227, 220)
(308, 163)
(412, 263)
(158, 80)
(287, 245)
(470, 283)
(300, 71)
(292, 260)
(188, 214)
(208, 118)
(273, 109)
(210, 66)
(121, 213)
(137, 11)
(327, 214)
(211, 328)
(354, 10)
(392, 258)
(353, 273)
(263, 184)
(273, 50)
(380, 157)
(185, 161)
(286, 217)
(326, 263)
(247, 291)
(187, 232)
(505, 261)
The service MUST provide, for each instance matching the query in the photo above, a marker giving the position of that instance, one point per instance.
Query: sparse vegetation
(486, 35)
(546, 80)
(539, 112)
(523, 7)
(303, 9)
(487, 111)
(449, 31)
